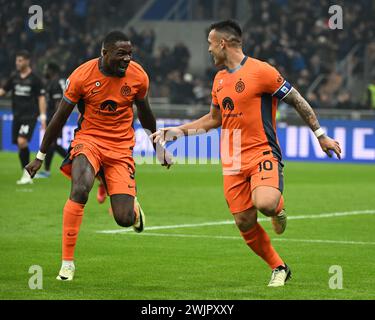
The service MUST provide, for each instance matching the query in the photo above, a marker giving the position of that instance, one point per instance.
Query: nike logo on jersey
(218, 89)
(265, 178)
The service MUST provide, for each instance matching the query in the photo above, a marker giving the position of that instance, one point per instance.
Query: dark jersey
(54, 93)
(25, 93)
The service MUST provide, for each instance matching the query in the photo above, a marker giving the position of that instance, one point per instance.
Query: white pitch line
(224, 222)
(238, 238)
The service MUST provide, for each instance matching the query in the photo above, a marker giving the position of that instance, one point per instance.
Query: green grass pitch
(198, 262)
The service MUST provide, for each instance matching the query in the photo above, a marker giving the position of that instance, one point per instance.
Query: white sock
(68, 263)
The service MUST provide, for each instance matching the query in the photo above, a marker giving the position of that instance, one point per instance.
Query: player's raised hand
(328, 144)
(33, 167)
(164, 135)
(164, 156)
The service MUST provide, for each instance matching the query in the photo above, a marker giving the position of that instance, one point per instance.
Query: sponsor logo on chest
(22, 90)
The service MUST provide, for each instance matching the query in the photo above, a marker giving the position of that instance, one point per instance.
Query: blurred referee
(28, 101)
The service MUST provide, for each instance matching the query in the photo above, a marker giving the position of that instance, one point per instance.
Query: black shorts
(22, 128)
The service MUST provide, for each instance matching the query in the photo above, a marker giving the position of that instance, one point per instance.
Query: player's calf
(246, 220)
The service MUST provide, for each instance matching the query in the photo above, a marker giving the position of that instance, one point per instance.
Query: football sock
(72, 218)
(24, 155)
(259, 241)
(280, 207)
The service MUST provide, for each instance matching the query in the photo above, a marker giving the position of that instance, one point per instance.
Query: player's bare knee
(124, 217)
(80, 193)
(22, 143)
(245, 222)
(267, 207)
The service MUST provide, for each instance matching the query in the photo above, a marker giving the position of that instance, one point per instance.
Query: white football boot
(279, 276)
(66, 273)
(25, 179)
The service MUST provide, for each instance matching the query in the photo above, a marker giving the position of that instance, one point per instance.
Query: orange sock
(280, 206)
(259, 241)
(73, 214)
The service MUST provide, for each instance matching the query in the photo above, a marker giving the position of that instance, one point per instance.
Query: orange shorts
(118, 169)
(239, 187)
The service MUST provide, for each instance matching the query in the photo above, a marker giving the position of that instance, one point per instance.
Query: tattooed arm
(303, 108)
(307, 114)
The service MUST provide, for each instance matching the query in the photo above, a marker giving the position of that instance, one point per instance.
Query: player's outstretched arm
(148, 122)
(52, 131)
(200, 126)
(304, 109)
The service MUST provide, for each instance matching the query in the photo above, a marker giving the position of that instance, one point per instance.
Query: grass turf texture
(130, 266)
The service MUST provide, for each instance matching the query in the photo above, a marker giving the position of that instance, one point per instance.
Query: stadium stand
(333, 68)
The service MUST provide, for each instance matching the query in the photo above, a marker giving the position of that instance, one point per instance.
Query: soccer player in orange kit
(244, 103)
(104, 90)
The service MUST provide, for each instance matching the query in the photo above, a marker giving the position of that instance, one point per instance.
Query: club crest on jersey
(228, 104)
(240, 86)
(125, 90)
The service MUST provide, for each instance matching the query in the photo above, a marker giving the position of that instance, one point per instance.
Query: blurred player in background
(104, 89)
(54, 93)
(28, 101)
(244, 99)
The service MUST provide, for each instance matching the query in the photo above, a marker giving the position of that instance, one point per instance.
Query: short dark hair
(24, 54)
(114, 36)
(54, 67)
(227, 26)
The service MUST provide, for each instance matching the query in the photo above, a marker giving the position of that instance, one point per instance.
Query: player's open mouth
(124, 66)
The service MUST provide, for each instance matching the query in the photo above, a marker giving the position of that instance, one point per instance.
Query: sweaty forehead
(122, 45)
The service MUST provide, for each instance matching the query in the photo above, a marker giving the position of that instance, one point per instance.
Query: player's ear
(103, 51)
(222, 43)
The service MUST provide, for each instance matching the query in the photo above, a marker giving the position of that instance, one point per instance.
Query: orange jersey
(247, 97)
(106, 103)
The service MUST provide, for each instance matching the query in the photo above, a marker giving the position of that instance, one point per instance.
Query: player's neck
(24, 73)
(106, 70)
(234, 59)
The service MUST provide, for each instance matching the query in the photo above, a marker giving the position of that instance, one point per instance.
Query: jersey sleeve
(73, 88)
(271, 81)
(143, 89)
(214, 101)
